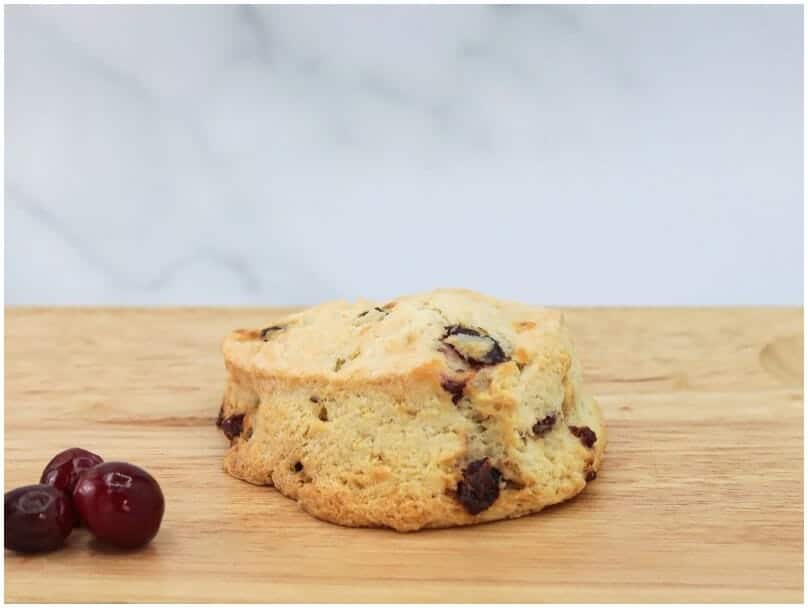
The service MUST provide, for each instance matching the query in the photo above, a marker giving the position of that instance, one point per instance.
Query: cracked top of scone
(447, 335)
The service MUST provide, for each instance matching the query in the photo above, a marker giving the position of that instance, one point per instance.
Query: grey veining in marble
(274, 155)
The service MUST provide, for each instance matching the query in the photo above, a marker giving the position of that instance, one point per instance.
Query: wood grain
(700, 498)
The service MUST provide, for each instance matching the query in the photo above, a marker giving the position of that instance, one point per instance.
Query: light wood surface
(700, 497)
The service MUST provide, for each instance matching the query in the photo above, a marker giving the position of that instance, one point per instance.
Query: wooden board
(700, 497)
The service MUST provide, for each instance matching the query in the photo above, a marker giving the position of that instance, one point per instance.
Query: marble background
(570, 155)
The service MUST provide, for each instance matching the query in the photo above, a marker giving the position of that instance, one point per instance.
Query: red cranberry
(120, 503)
(37, 518)
(63, 471)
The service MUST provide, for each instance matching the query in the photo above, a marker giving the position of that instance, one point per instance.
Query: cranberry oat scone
(434, 410)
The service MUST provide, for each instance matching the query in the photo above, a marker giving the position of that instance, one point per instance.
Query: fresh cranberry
(37, 518)
(63, 471)
(120, 503)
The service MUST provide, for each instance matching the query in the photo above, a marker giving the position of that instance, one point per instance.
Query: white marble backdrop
(571, 155)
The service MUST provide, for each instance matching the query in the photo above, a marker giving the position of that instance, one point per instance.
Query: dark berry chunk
(268, 330)
(585, 434)
(479, 488)
(591, 475)
(37, 518)
(454, 330)
(473, 346)
(544, 425)
(120, 503)
(231, 426)
(63, 471)
(298, 467)
(454, 388)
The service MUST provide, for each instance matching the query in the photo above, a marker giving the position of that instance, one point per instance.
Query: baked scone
(434, 410)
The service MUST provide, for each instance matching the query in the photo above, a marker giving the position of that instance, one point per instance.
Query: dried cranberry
(454, 388)
(544, 425)
(120, 503)
(63, 471)
(454, 330)
(268, 330)
(585, 434)
(232, 426)
(479, 488)
(37, 518)
(474, 346)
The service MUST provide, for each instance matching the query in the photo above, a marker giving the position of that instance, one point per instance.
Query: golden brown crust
(373, 415)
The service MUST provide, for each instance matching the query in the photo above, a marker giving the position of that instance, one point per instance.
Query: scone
(443, 409)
